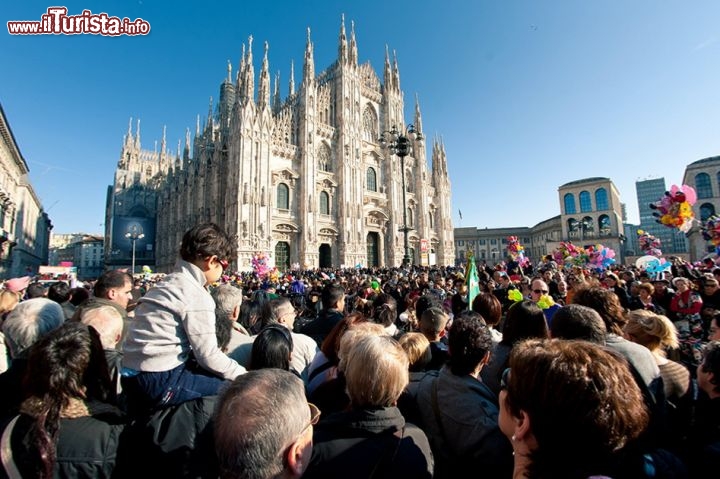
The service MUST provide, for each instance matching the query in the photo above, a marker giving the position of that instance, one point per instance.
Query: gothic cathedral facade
(304, 180)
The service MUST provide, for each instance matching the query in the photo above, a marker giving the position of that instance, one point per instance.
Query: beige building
(704, 176)
(24, 225)
(590, 214)
(302, 178)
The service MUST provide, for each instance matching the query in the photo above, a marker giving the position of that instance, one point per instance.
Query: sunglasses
(540, 291)
(505, 379)
(224, 264)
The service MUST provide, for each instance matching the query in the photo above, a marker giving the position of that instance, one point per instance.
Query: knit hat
(17, 285)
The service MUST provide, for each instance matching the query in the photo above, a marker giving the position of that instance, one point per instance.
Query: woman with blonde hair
(658, 334)
(371, 437)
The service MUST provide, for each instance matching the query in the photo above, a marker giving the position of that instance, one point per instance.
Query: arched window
(324, 158)
(706, 211)
(703, 186)
(605, 225)
(370, 124)
(585, 204)
(283, 197)
(324, 203)
(431, 221)
(572, 224)
(601, 199)
(587, 224)
(371, 179)
(569, 200)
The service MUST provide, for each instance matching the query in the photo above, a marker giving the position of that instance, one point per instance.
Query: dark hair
(575, 321)
(582, 402)
(59, 292)
(711, 362)
(249, 317)
(206, 240)
(223, 331)
(469, 341)
(489, 307)
(272, 348)
(606, 303)
(110, 280)
(524, 320)
(331, 295)
(68, 363)
(35, 290)
(425, 302)
(78, 295)
(384, 309)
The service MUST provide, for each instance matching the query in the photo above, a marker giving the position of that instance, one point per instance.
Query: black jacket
(87, 447)
(369, 443)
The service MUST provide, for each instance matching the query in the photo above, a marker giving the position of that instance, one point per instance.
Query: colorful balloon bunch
(674, 209)
(516, 251)
(260, 264)
(711, 230)
(570, 255)
(649, 243)
(600, 256)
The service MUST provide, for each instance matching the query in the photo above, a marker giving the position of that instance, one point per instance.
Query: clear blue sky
(526, 95)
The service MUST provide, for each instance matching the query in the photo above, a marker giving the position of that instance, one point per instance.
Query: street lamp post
(133, 235)
(399, 143)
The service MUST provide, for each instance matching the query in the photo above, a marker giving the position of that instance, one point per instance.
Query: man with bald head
(540, 293)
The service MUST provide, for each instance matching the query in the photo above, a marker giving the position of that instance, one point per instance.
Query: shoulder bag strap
(6, 451)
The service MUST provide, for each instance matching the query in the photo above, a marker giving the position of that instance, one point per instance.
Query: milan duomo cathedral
(303, 180)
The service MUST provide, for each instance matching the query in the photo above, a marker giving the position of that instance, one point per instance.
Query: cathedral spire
(210, 121)
(197, 126)
(276, 92)
(128, 137)
(238, 75)
(186, 151)
(137, 135)
(418, 115)
(229, 70)
(292, 78)
(309, 67)
(264, 82)
(396, 72)
(353, 45)
(387, 72)
(249, 74)
(163, 145)
(342, 47)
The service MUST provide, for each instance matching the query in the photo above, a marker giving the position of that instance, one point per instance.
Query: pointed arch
(370, 124)
(324, 158)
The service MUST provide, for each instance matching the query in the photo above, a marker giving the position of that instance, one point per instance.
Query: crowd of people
(549, 371)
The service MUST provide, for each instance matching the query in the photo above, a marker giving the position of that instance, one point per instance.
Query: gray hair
(251, 438)
(227, 297)
(29, 321)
